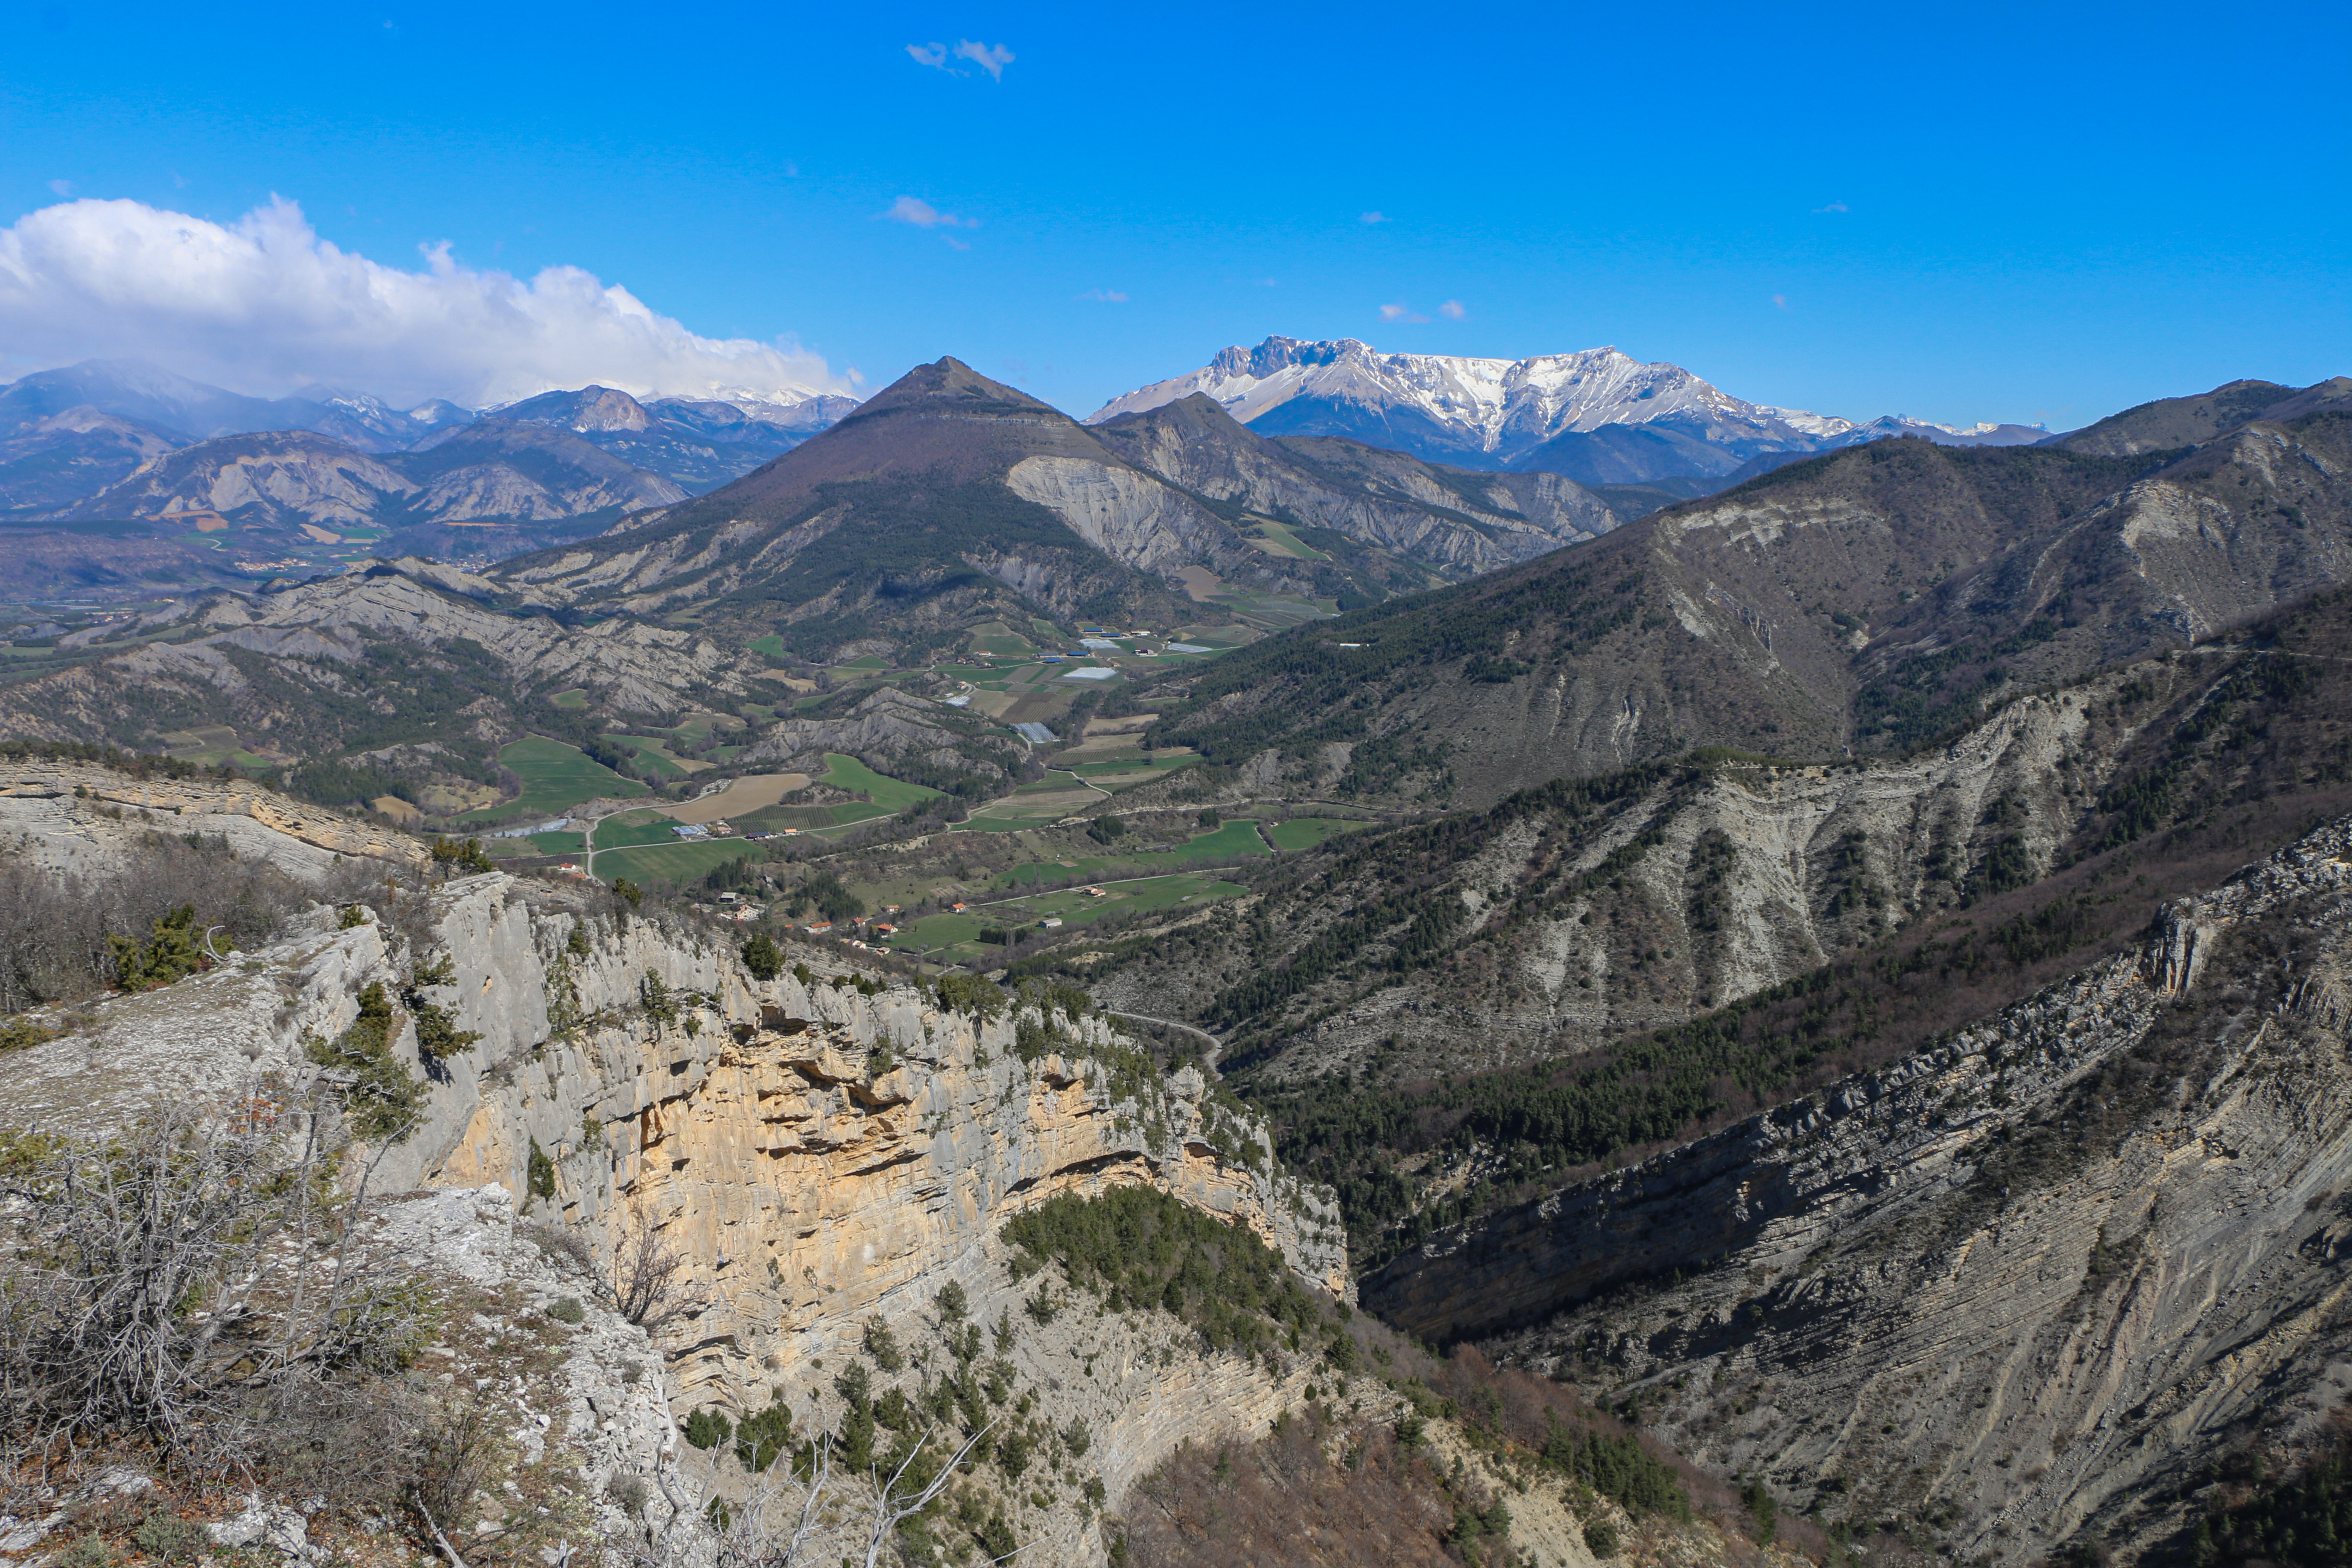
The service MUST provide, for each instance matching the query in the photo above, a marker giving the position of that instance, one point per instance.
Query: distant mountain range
(119, 439)
(949, 495)
(1599, 418)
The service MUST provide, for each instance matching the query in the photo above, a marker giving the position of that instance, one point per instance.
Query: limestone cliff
(827, 1153)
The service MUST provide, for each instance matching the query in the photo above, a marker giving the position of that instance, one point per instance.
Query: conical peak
(949, 380)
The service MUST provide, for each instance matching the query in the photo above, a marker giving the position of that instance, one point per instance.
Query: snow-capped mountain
(1482, 413)
(1599, 417)
(1978, 435)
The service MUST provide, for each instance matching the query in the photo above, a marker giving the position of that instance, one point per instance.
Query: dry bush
(1281, 1500)
(647, 1286)
(458, 1456)
(54, 928)
(192, 1283)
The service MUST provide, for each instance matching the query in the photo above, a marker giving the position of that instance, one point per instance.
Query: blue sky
(1993, 212)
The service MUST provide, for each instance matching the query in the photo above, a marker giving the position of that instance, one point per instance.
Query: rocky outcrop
(1127, 514)
(823, 1151)
(1453, 519)
(2024, 1286)
(76, 817)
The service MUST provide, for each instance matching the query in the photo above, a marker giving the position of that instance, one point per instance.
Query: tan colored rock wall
(755, 1130)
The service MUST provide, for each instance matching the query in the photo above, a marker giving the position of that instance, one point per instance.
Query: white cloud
(62, 187)
(1453, 310)
(922, 215)
(1780, 301)
(264, 305)
(1107, 296)
(1376, 217)
(1399, 313)
(989, 57)
(1833, 207)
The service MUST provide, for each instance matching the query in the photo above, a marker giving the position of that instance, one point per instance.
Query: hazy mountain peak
(589, 408)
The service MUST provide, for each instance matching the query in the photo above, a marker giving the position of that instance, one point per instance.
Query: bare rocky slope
(1866, 600)
(1458, 520)
(491, 469)
(1579, 913)
(409, 648)
(2022, 1289)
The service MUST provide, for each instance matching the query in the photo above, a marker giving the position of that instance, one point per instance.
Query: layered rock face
(823, 1155)
(2019, 1290)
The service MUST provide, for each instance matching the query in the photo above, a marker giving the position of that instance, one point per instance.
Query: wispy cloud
(1376, 217)
(263, 305)
(1399, 313)
(1833, 207)
(1780, 301)
(922, 215)
(1108, 296)
(989, 57)
(62, 187)
(1453, 310)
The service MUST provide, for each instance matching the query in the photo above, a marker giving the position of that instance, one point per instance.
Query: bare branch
(646, 1285)
(892, 1508)
(439, 1540)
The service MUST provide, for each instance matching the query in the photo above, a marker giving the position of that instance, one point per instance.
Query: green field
(1057, 795)
(672, 862)
(635, 827)
(1306, 832)
(958, 936)
(1125, 772)
(772, 645)
(1236, 837)
(576, 697)
(1005, 643)
(1285, 542)
(651, 755)
(890, 794)
(555, 777)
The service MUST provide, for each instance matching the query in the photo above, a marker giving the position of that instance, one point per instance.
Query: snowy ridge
(1500, 406)
(1543, 412)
